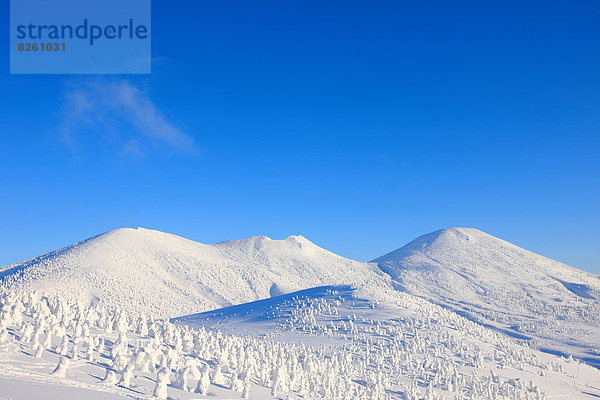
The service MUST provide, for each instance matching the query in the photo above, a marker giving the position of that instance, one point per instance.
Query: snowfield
(457, 314)
(504, 286)
(323, 343)
(167, 275)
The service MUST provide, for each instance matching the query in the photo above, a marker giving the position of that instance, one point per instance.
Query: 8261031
(46, 46)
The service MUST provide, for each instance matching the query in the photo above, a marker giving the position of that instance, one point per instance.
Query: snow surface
(453, 314)
(497, 283)
(166, 275)
(323, 343)
(120, 342)
(418, 349)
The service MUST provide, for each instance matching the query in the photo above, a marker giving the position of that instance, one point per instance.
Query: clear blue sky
(360, 125)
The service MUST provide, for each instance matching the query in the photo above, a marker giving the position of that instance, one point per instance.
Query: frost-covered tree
(3, 335)
(217, 375)
(64, 345)
(38, 351)
(110, 378)
(90, 349)
(162, 380)
(61, 368)
(126, 376)
(204, 381)
(246, 390)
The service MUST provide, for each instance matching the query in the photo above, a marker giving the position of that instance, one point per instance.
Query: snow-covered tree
(61, 368)
(162, 380)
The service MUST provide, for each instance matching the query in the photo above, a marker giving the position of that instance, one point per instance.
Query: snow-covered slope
(407, 348)
(167, 275)
(473, 273)
(348, 333)
(498, 283)
(325, 343)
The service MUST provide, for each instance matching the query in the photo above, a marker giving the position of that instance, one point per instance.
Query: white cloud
(122, 115)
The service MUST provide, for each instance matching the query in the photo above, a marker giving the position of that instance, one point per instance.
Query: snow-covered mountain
(391, 329)
(167, 275)
(477, 275)
(416, 347)
(322, 343)
(498, 283)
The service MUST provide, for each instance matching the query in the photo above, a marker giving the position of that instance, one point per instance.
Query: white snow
(453, 314)
(323, 343)
(413, 348)
(498, 283)
(167, 275)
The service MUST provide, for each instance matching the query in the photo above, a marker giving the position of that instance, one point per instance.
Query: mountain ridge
(486, 279)
(501, 285)
(168, 275)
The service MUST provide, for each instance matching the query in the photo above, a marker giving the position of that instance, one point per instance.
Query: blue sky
(360, 125)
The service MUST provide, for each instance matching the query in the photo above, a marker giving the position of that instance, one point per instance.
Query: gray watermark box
(80, 37)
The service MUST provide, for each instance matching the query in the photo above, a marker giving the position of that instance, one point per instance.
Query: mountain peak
(263, 242)
(494, 281)
(161, 273)
(472, 266)
(449, 238)
(130, 233)
(455, 232)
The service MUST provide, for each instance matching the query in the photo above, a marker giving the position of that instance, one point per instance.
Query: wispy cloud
(122, 115)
